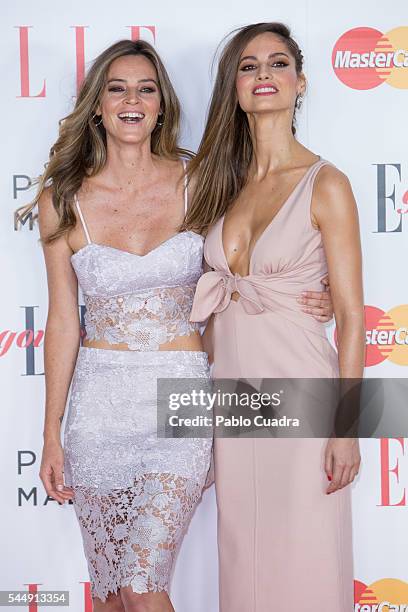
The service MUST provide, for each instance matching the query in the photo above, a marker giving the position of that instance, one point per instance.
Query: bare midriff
(192, 342)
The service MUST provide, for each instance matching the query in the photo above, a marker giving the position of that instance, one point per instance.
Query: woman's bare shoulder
(333, 195)
(331, 181)
(45, 199)
(47, 215)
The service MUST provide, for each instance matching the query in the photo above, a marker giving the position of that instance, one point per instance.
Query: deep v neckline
(268, 225)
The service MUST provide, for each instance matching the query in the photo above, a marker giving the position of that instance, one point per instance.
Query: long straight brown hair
(80, 150)
(220, 168)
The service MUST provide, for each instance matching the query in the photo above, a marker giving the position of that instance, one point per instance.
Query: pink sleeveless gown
(284, 544)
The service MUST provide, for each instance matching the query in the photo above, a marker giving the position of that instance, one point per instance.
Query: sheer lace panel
(131, 535)
(143, 320)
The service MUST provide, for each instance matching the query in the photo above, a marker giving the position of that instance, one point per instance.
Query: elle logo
(78, 41)
(393, 492)
(392, 201)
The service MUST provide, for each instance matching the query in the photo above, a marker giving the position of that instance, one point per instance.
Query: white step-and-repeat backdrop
(355, 115)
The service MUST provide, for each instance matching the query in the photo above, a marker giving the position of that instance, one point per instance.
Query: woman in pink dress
(278, 219)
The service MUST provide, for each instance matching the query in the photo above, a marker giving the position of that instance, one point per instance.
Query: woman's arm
(334, 211)
(207, 336)
(207, 339)
(62, 336)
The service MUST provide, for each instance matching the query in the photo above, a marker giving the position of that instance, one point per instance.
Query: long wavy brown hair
(220, 168)
(80, 150)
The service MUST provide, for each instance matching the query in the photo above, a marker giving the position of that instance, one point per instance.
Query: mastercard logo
(387, 595)
(386, 335)
(363, 58)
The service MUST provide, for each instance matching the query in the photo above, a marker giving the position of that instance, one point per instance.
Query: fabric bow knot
(214, 291)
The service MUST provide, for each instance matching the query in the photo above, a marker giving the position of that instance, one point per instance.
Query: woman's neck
(128, 164)
(274, 145)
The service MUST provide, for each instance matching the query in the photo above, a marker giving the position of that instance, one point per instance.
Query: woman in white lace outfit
(111, 202)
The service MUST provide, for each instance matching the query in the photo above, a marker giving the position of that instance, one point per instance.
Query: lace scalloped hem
(130, 536)
(104, 593)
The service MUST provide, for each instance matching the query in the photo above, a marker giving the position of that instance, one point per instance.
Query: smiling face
(130, 100)
(267, 79)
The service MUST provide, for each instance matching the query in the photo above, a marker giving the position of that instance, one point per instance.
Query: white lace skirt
(134, 493)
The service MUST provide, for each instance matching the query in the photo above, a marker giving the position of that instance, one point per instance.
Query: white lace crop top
(140, 300)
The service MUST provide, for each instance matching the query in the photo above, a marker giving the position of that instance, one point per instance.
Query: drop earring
(100, 120)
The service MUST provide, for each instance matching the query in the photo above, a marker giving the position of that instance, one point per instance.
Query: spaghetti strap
(185, 187)
(81, 216)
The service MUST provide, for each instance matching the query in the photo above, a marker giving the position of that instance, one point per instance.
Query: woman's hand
(318, 303)
(51, 472)
(342, 462)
